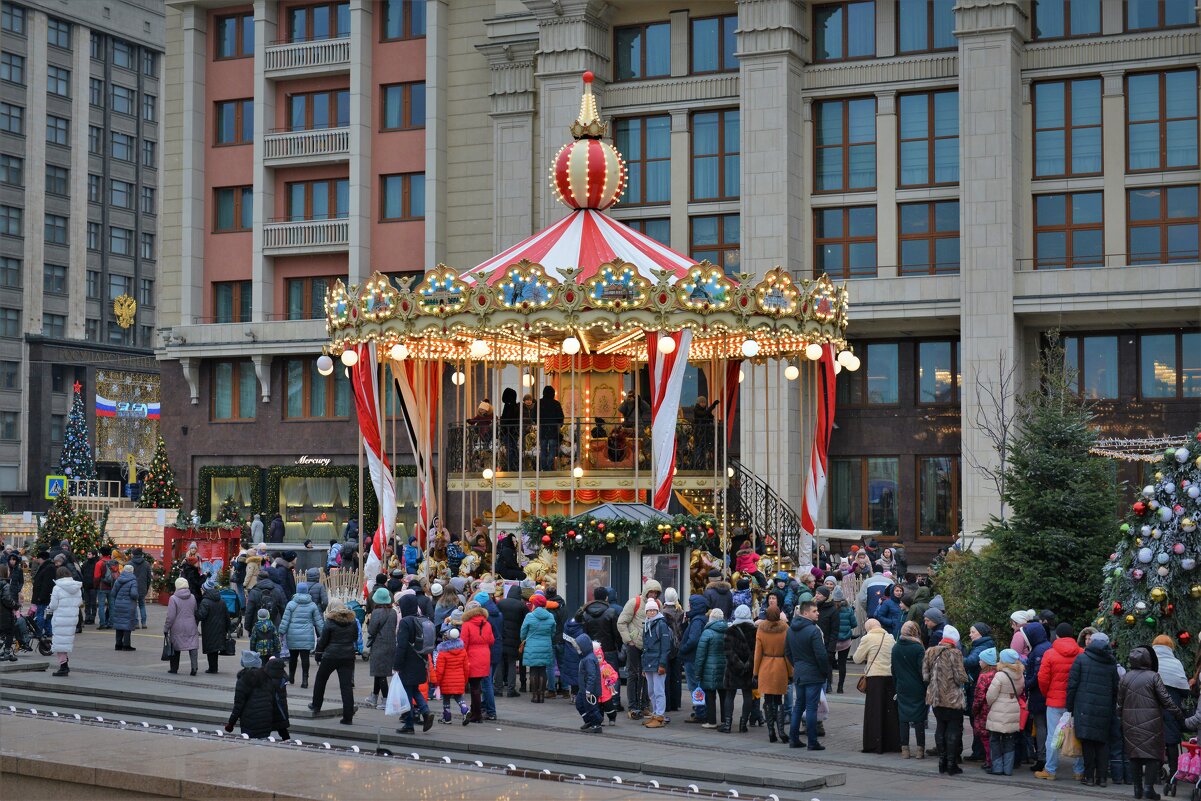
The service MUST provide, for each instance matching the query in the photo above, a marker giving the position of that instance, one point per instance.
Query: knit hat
(251, 659)
(671, 597)
(129, 569)
(652, 605)
(211, 584)
(936, 615)
(1022, 617)
(1162, 639)
(488, 587)
(951, 633)
(435, 589)
(983, 629)
(823, 591)
(480, 598)
(1010, 656)
(313, 574)
(742, 612)
(743, 584)
(473, 604)
(1100, 641)
(830, 580)
(302, 588)
(715, 573)
(540, 600)
(180, 583)
(838, 595)
(264, 614)
(453, 634)
(382, 597)
(717, 614)
(398, 573)
(456, 616)
(989, 656)
(1065, 630)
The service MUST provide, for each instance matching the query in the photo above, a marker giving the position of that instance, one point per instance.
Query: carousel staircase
(753, 507)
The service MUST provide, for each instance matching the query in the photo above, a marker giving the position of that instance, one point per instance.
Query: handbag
(230, 648)
(1023, 705)
(168, 649)
(398, 700)
(861, 685)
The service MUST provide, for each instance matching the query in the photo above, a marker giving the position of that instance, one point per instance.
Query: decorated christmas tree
(64, 522)
(158, 487)
(1152, 582)
(230, 511)
(76, 461)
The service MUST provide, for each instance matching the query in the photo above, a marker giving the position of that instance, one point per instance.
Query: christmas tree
(64, 522)
(230, 512)
(158, 487)
(76, 461)
(1152, 585)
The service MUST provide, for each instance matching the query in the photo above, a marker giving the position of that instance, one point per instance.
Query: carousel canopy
(635, 512)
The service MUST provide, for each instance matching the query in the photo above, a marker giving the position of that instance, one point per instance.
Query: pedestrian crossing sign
(55, 485)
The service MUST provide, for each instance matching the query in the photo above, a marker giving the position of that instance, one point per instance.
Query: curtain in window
(322, 491)
(223, 387)
(318, 387)
(293, 491)
(247, 387)
(295, 388)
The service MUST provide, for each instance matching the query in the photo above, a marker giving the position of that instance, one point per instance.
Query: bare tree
(994, 416)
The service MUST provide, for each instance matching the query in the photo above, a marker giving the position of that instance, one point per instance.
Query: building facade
(80, 184)
(978, 175)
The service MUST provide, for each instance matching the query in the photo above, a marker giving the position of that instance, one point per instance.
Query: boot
(63, 670)
(1138, 791)
(921, 752)
(1149, 793)
(371, 700)
(904, 752)
(724, 728)
(771, 734)
(942, 763)
(742, 724)
(953, 768)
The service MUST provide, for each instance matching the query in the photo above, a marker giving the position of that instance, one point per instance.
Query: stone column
(681, 147)
(512, 69)
(262, 271)
(990, 174)
(35, 173)
(1113, 155)
(194, 122)
(887, 257)
(358, 263)
(77, 272)
(436, 47)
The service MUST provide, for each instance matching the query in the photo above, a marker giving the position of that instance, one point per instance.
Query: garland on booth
(207, 474)
(589, 533)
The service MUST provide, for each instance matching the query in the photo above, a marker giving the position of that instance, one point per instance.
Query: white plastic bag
(1065, 720)
(398, 700)
(823, 707)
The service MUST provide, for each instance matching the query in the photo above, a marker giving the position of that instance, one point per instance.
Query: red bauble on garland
(1139, 507)
(1184, 637)
(546, 539)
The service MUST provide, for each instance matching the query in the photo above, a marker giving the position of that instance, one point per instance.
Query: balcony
(319, 57)
(306, 236)
(281, 148)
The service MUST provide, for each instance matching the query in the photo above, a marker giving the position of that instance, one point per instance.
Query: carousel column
(512, 69)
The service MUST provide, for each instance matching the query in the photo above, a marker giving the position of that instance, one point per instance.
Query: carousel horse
(542, 567)
(698, 568)
(471, 563)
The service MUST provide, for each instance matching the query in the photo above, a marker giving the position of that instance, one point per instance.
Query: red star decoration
(78, 387)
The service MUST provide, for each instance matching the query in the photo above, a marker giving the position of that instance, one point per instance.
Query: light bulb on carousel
(350, 357)
(741, 376)
(813, 351)
(457, 378)
(666, 345)
(750, 348)
(325, 365)
(527, 380)
(479, 349)
(571, 346)
(488, 474)
(578, 472)
(400, 352)
(853, 363)
(792, 372)
(837, 368)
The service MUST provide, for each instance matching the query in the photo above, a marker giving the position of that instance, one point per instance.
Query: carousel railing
(756, 507)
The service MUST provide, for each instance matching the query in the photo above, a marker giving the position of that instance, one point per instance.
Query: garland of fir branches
(588, 533)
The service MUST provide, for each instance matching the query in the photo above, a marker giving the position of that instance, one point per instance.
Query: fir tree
(65, 522)
(1152, 584)
(158, 487)
(230, 511)
(76, 461)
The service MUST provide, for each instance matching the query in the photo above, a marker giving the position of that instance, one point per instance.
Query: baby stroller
(1188, 770)
(233, 605)
(360, 615)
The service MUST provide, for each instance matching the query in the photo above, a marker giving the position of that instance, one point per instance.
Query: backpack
(425, 639)
(673, 652)
(7, 597)
(268, 601)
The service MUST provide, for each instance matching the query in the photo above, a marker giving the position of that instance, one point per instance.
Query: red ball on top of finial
(588, 76)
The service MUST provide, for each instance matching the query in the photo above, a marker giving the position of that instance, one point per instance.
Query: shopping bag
(1057, 737)
(398, 699)
(823, 707)
(698, 697)
(168, 650)
(230, 648)
(1071, 745)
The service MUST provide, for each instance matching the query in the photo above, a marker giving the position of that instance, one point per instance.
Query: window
(12, 119)
(96, 92)
(12, 19)
(95, 189)
(646, 144)
(845, 144)
(235, 36)
(12, 170)
(306, 297)
(658, 229)
(94, 231)
(1094, 360)
(12, 219)
(123, 99)
(122, 146)
(235, 122)
(10, 323)
(938, 496)
(122, 54)
(404, 19)
(56, 229)
(1068, 231)
(10, 425)
(845, 242)
(717, 239)
(231, 301)
(58, 33)
(149, 63)
(1170, 365)
(844, 31)
(54, 326)
(58, 81)
(311, 111)
(642, 51)
(403, 196)
(146, 333)
(313, 23)
(149, 108)
(938, 376)
(925, 25)
(233, 209)
(1063, 19)
(58, 130)
(929, 238)
(57, 180)
(1067, 128)
(148, 205)
(319, 200)
(146, 245)
(1163, 224)
(877, 382)
(929, 138)
(10, 375)
(54, 279)
(863, 494)
(713, 44)
(404, 106)
(92, 330)
(120, 241)
(93, 285)
(1161, 120)
(10, 272)
(12, 68)
(149, 153)
(58, 423)
(310, 394)
(146, 292)
(233, 391)
(715, 155)
(58, 379)
(1144, 15)
(97, 46)
(118, 285)
(121, 194)
(95, 140)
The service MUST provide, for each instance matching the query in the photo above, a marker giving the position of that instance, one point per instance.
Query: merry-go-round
(540, 392)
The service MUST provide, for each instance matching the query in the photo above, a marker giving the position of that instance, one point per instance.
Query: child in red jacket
(450, 674)
(609, 681)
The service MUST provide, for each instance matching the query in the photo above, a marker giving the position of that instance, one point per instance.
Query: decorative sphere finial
(588, 76)
(588, 173)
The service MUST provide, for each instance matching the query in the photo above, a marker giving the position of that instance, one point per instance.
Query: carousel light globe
(488, 474)
(527, 380)
(730, 472)
(750, 348)
(571, 346)
(400, 352)
(844, 358)
(325, 365)
(813, 351)
(479, 349)
(350, 358)
(346, 372)
(837, 368)
(666, 345)
(578, 472)
(741, 376)
(792, 372)
(457, 378)
(854, 364)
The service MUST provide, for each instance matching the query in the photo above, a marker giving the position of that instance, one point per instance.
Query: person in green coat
(710, 662)
(907, 657)
(921, 602)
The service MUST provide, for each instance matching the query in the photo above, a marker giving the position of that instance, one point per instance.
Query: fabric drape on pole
(815, 478)
(729, 404)
(420, 397)
(364, 380)
(667, 379)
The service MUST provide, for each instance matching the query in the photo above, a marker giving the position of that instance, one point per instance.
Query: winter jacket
(338, 635)
(633, 615)
(942, 669)
(710, 659)
(656, 644)
(921, 602)
(214, 621)
(827, 621)
(141, 571)
(407, 661)
(1142, 698)
(1036, 636)
(191, 574)
(846, 622)
(275, 534)
(65, 600)
(979, 703)
(506, 560)
(255, 699)
(743, 598)
(971, 662)
(124, 606)
(254, 568)
(538, 633)
(1004, 710)
(265, 595)
(319, 595)
(600, 624)
(740, 655)
(907, 677)
(301, 623)
(719, 596)
(180, 626)
(478, 639)
(1053, 671)
(264, 640)
(450, 667)
(804, 648)
(8, 604)
(497, 621)
(238, 574)
(770, 667)
(569, 660)
(875, 652)
(381, 633)
(589, 679)
(890, 616)
(87, 572)
(698, 607)
(43, 583)
(513, 611)
(283, 576)
(1092, 686)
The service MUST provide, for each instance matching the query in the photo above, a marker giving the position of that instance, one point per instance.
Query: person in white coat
(65, 600)
(256, 530)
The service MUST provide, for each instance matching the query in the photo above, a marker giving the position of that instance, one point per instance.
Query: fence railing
(307, 234)
(308, 55)
(307, 144)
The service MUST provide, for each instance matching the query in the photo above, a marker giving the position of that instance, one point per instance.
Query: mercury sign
(306, 459)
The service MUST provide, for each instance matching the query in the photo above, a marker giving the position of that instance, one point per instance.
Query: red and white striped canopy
(586, 239)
